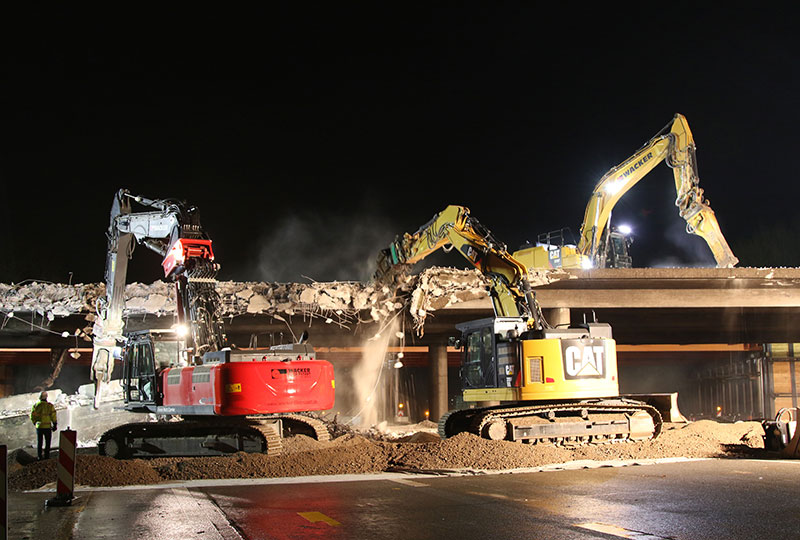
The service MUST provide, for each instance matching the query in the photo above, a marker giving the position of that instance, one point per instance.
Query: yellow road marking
(314, 517)
(613, 530)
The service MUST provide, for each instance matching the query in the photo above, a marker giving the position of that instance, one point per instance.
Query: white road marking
(613, 530)
(407, 482)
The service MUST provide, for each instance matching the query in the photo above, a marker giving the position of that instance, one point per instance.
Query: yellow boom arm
(675, 144)
(455, 228)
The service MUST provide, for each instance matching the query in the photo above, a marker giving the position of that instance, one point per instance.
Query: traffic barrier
(3, 492)
(65, 485)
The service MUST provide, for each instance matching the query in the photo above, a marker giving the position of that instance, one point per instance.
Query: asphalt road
(697, 500)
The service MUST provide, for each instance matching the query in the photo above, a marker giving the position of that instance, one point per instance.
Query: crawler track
(208, 436)
(294, 424)
(573, 423)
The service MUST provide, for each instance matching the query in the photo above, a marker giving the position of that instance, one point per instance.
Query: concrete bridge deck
(643, 305)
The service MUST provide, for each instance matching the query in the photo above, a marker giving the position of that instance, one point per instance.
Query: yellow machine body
(564, 364)
(552, 257)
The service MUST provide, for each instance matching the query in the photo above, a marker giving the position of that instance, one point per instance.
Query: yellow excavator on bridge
(600, 247)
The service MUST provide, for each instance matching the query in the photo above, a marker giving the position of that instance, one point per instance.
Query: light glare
(181, 330)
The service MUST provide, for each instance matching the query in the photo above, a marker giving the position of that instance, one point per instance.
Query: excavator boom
(454, 227)
(674, 144)
(173, 231)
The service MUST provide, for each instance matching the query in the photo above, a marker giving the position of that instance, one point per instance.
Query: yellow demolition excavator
(553, 384)
(599, 246)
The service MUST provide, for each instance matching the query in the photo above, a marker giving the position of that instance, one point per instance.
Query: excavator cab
(617, 254)
(139, 379)
(491, 355)
(503, 361)
(479, 367)
(145, 355)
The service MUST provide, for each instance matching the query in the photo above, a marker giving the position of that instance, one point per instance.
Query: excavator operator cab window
(479, 359)
(142, 373)
(618, 255)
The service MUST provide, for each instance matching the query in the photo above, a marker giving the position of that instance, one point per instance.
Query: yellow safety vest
(43, 414)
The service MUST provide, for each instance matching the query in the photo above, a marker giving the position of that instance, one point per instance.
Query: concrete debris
(48, 299)
(439, 288)
(342, 303)
(540, 276)
(20, 404)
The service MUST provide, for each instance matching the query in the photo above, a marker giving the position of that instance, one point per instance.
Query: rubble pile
(355, 453)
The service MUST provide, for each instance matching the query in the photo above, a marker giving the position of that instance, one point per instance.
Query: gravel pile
(423, 451)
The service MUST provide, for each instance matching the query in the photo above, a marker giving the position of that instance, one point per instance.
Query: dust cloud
(368, 376)
(688, 250)
(322, 248)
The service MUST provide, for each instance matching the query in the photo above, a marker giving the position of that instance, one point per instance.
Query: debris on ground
(421, 451)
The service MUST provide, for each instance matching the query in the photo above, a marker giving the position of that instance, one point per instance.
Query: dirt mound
(303, 443)
(420, 437)
(356, 454)
(89, 471)
(468, 451)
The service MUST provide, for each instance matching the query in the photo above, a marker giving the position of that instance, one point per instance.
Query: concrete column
(557, 316)
(437, 358)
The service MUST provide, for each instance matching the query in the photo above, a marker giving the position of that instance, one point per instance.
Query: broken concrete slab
(342, 302)
(74, 411)
(238, 298)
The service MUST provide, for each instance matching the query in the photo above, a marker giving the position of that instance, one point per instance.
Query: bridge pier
(437, 356)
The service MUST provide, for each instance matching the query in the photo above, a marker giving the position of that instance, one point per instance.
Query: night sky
(309, 137)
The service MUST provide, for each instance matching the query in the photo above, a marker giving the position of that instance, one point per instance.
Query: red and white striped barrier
(3, 492)
(65, 486)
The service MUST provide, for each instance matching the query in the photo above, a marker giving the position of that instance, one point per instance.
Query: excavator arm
(454, 227)
(173, 231)
(674, 144)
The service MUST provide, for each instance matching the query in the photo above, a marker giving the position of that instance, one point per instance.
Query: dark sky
(309, 137)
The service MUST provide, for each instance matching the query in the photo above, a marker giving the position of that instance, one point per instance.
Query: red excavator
(223, 398)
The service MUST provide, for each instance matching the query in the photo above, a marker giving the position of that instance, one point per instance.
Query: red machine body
(258, 386)
(232, 400)
(231, 382)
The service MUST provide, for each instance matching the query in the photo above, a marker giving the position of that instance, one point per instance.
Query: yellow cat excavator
(553, 384)
(599, 246)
